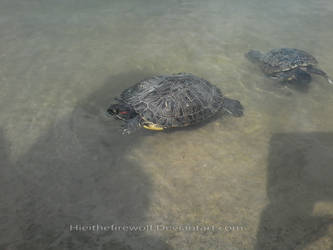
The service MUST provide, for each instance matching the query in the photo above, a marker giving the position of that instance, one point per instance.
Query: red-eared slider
(168, 101)
(287, 65)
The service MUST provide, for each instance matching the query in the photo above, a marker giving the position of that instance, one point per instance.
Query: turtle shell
(174, 100)
(285, 59)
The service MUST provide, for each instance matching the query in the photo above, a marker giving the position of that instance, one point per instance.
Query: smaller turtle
(287, 65)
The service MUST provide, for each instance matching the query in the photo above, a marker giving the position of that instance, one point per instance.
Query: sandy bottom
(70, 180)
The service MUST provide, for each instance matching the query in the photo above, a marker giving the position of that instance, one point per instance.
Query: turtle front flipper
(314, 70)
(131, 125)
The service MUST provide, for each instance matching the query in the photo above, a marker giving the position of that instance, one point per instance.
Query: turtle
(287, 64)
(168, 101)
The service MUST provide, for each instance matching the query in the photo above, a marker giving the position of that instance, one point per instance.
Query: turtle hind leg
(233, 107)
(293, 76)
(131, 125)
(314, 70)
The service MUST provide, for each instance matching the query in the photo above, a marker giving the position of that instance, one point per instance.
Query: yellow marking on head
(152, 126)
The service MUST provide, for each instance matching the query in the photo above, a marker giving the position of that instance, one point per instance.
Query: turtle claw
(125, 131)
(131, 125)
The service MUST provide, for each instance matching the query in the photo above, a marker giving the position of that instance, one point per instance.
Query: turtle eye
(113, 111)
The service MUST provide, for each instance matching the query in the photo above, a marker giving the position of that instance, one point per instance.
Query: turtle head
(254, 56)
(121, 111)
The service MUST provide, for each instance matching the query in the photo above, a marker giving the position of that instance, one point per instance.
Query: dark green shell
(174, 100)
(278, 60)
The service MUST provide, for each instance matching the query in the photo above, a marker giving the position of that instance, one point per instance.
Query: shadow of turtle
(299, 176)
(79, 176)
(301, 87)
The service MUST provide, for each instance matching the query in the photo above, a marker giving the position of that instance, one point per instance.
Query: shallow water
(262, 181)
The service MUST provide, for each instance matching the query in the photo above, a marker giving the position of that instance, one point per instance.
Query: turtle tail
(320, 72)
(233, 107)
